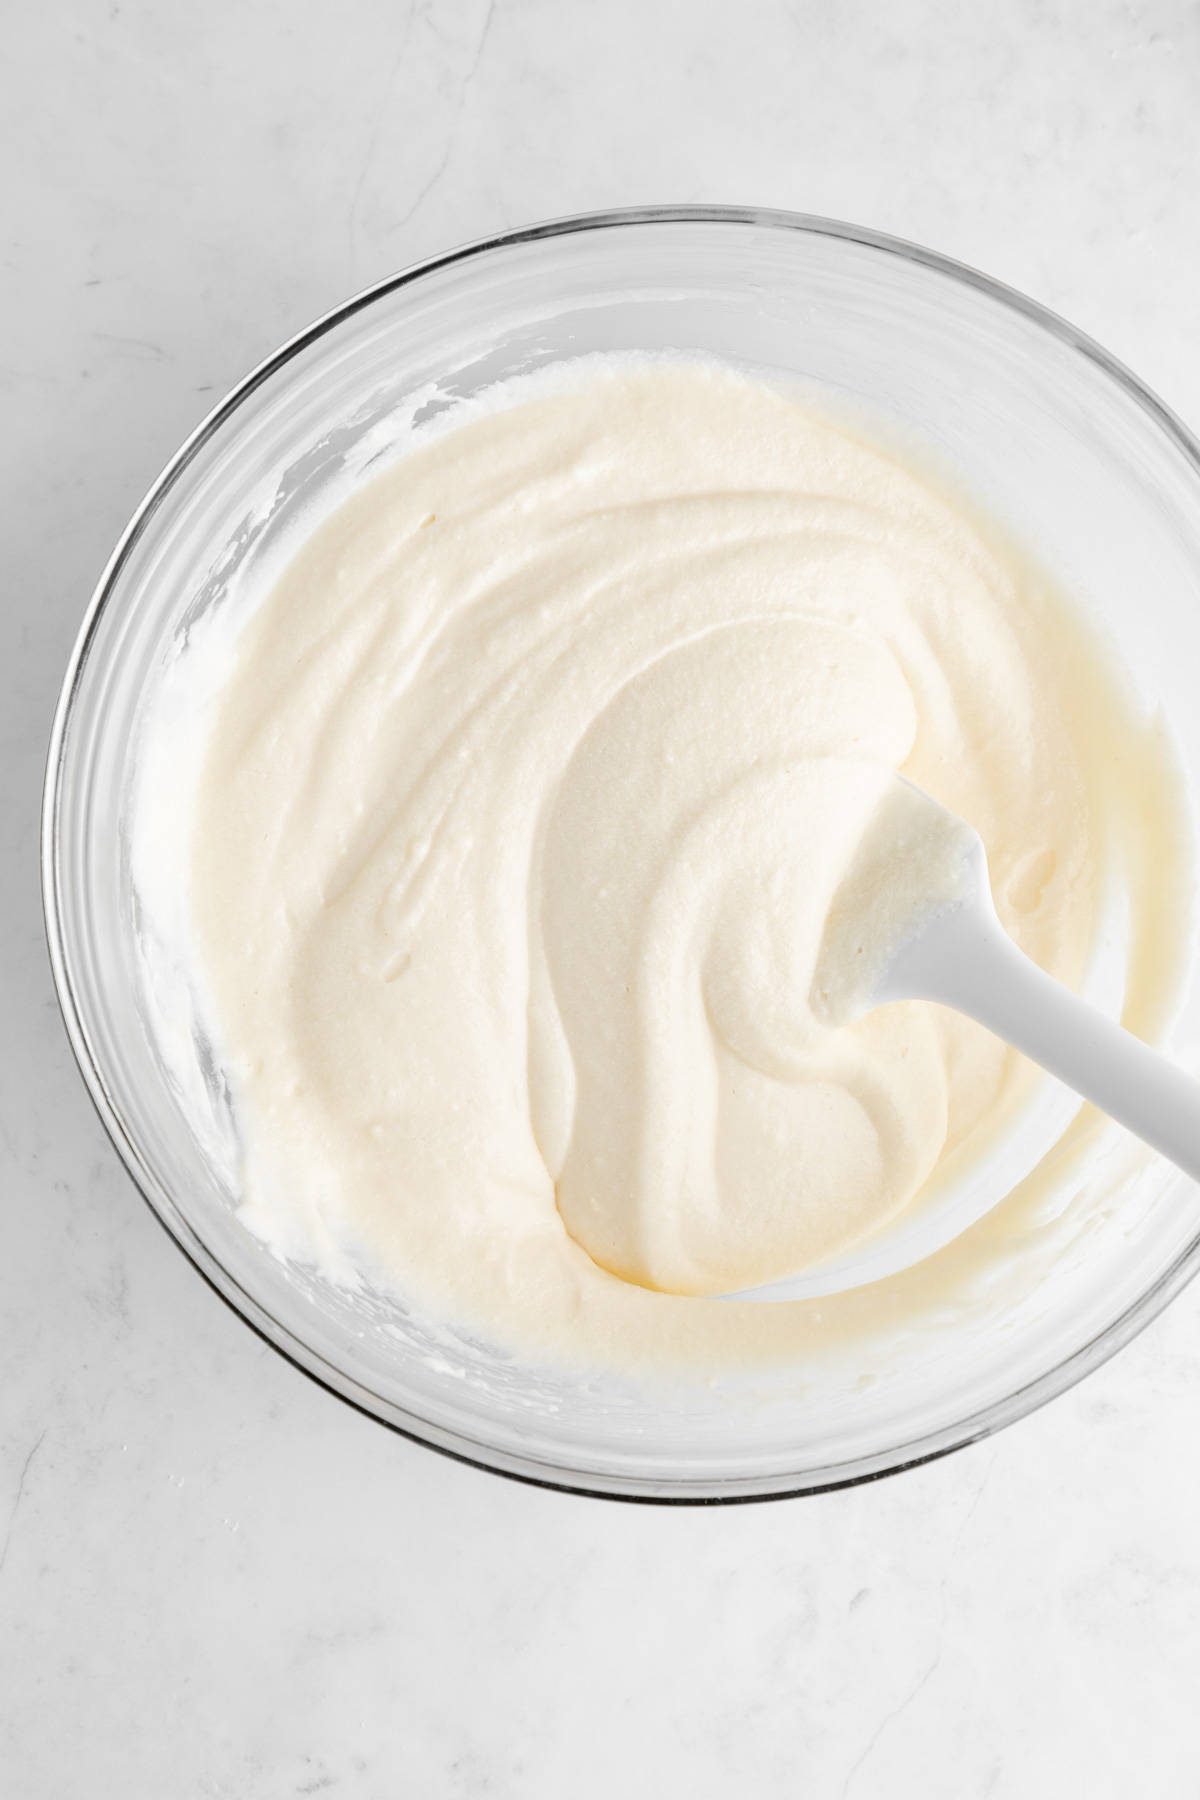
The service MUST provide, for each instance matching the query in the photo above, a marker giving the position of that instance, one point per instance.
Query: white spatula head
(915, 861)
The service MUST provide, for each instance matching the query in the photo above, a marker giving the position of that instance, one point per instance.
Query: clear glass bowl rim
(478, 1454)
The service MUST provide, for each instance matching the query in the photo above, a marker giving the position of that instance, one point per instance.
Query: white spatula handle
(968, 961)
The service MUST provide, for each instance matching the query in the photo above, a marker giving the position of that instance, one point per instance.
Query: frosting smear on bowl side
(520, 817)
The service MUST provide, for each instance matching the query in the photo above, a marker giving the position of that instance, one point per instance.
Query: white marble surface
(214, 1579)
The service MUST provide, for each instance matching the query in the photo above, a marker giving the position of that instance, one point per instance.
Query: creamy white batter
(519, 823)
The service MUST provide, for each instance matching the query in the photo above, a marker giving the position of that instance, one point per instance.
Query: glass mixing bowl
(1061, 443)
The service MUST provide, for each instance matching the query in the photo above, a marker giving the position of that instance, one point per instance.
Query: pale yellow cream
(520, 819)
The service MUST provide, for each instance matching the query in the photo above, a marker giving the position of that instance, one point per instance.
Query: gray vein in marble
(22, 1479)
